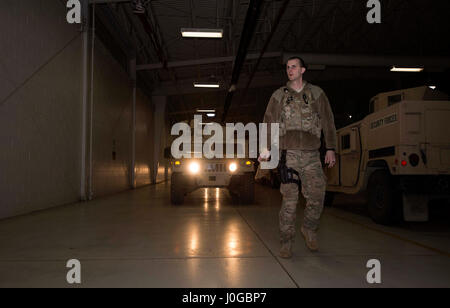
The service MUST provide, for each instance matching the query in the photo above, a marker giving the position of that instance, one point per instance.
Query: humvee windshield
(215, 147)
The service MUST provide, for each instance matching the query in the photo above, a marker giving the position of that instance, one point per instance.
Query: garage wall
(112, 124)
(164, 168)
(144, 139)
(40, 112)
(112, 139)
(159, 140)
(40, 106)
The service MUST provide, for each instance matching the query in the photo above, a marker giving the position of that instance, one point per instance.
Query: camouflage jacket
(302, 117)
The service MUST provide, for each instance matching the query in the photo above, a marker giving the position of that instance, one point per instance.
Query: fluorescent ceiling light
(208, 33)
(210, 115)
(205, 85)
(206, 110)
(407, 69)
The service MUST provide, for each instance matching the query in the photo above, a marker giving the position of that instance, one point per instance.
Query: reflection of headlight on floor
(232, 167)
(194, 167)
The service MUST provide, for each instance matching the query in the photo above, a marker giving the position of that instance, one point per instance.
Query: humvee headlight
(232, 167)
(177, 163)
(248, 163)
(194, 167)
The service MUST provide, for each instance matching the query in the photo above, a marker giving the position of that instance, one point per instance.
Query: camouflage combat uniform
(302, 116)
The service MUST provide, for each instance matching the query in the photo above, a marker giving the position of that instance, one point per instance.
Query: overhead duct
(205, 61)
(109, 19)
(266, 44)
(153, 38)
(253, 11)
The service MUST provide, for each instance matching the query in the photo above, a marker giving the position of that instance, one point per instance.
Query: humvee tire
(234, 197)
(383, 198)
(242, 188)
(247, 189)
(329, 198)
(176, 188)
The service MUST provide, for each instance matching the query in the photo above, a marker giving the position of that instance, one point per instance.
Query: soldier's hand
(330, 159)
(264, 156)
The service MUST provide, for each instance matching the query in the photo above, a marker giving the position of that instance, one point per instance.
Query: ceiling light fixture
(432, 87)
(206, 110)
(201, 33)
(210, 115)
(407, 69)
(206, 85)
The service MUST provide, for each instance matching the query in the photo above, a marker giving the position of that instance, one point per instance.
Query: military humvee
(234, 174)
(399, 154)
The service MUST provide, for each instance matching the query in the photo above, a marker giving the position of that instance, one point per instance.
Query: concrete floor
(138, 239)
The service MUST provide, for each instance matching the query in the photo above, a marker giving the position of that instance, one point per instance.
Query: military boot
(286, 250)
(310, 238)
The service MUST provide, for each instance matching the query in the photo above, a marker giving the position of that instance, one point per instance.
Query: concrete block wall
(41, 112)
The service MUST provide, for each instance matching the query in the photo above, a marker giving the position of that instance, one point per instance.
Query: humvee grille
(215, 168)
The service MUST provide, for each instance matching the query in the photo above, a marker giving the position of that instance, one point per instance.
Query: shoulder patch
(316, 91)
(278, 94)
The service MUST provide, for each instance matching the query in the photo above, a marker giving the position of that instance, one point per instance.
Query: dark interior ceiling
(320, 30)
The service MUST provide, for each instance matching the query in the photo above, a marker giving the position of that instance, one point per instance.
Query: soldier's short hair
(302, 63)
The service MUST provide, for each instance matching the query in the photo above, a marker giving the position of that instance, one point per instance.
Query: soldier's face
(294, 70)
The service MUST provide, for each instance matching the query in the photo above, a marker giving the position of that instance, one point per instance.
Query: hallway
(138, 239)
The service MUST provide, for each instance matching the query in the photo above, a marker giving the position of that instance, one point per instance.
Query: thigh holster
(286, 173)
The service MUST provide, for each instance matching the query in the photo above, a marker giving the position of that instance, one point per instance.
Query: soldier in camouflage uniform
(303, 112)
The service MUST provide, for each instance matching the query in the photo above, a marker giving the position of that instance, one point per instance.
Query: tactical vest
(300, 112)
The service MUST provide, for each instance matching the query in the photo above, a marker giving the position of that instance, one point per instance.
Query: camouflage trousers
(313, 181)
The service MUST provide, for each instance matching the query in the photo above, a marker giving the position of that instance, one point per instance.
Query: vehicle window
(393, 99)
(238, 148)
(345, 142)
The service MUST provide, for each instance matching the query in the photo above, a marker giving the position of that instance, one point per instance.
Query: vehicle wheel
(234, 197)
(247, 189)
(383, 198)
(176, 188)
(329, 198)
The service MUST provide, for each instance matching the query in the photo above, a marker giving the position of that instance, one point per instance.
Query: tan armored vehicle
(399, 154)
(234, 174)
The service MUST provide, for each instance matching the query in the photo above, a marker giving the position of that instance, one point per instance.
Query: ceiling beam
(362, 60)
(160, 65)
(185, 86)
(318, 59)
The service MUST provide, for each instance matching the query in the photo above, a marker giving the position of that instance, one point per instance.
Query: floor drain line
(393, 235)
(270, 251)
